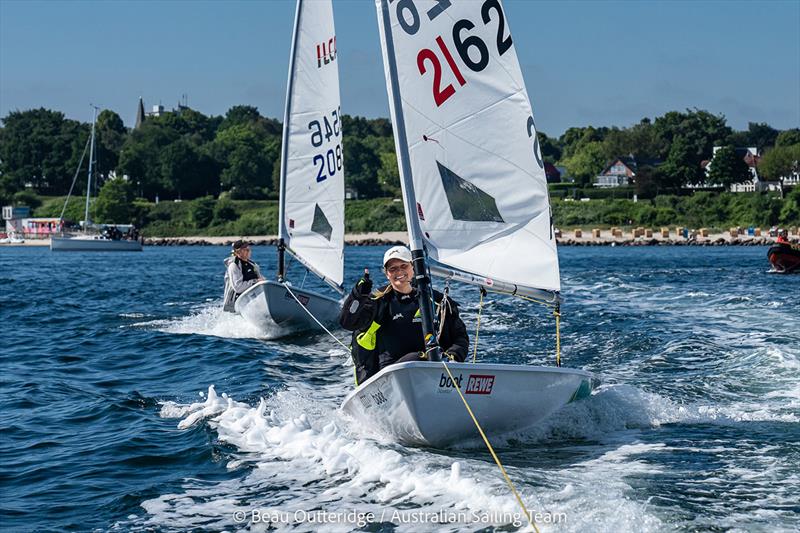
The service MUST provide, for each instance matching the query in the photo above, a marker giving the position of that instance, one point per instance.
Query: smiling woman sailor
(386, 324)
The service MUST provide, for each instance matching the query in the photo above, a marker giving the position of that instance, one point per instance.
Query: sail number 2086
(325, 132)
(473, 51)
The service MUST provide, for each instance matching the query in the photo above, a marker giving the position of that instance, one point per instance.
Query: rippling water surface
(130, 403)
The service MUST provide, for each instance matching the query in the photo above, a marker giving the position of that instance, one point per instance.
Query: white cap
(397, 252)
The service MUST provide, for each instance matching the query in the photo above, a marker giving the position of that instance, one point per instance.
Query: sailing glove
(364, 285)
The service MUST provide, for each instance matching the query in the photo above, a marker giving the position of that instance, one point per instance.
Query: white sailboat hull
(416, 403)
(268, 303)
(93, 244)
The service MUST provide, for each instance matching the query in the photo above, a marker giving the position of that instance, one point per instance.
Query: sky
(598, 63)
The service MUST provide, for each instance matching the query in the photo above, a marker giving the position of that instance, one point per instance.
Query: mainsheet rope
(491, 450)
(334, 337)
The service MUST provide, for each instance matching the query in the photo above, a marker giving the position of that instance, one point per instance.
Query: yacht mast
(91, 168)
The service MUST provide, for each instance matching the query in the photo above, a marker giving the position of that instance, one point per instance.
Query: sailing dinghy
(477, 210)
(311, 212)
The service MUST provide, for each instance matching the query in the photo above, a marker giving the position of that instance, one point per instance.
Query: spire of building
(139, 114)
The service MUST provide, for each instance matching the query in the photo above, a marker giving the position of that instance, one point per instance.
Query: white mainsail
(311, 220)
(478, 193)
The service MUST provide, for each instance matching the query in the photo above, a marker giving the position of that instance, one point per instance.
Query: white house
(755, 184)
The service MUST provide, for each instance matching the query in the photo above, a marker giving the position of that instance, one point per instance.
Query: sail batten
(311, 213)
(467, 142)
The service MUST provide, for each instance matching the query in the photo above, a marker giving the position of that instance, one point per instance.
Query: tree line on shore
(187, 155)
(207, 216)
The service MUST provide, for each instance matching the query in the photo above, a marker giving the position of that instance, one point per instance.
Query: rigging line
(491, 450)
(557, 314)
(478, 328)
(80, 164)
(315, 318)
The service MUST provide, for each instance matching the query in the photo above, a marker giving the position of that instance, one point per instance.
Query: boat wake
(297, 452)
(210, 319)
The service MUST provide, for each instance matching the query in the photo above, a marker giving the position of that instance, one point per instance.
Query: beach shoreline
(573, 238)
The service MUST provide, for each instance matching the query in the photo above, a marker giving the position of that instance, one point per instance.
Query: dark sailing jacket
(248, 268)
(387, 325)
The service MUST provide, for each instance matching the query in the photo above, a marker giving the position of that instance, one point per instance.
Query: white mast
(406, 183)
(91, 168)
(282, 233)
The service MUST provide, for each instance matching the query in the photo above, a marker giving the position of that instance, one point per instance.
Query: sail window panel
(320, 224)
(467, 202)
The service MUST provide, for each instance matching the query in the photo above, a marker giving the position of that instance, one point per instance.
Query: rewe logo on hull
(477, 384)
(326, 52)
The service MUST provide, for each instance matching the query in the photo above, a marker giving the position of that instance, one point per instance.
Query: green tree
(272, 150)
(389, 174)
(140, 159)
(198, 127)
(647, 181)
(245, 115)
(224, 210)
(551, 151)
(788, 137)
(360, 167)
(201, 212)
(728, 168)
(780, 162)
(681, 166)
(115, 202)
(700, 131)
(761, 135)
(27, 198)
(186, 171)
(240, 115)
(641, 141)
(790, 211)
(40, 148)
(244, 156)
(575, 138)
(587, 162)
(110, 137)
(358, 127)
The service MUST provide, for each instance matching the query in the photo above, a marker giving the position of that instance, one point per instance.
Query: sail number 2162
(326, 132)
(471, 49)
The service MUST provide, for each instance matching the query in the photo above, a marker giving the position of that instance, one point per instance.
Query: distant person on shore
(386, 324)
(240, 274)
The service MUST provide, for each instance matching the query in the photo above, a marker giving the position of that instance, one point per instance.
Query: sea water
(132, 403)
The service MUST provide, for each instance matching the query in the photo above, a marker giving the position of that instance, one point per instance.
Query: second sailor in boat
(240, 274)
(386, 324)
